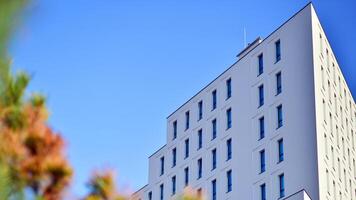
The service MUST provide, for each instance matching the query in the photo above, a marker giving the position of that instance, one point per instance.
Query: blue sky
(113, 70)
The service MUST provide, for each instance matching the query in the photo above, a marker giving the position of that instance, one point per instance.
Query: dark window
(279, 82)
(279, 116)
(213, 153)
(213, 189)
(229, 180)
(263, 191)
(186, 142)
(229, 149)
(280, 150)
(278, 50)
(214, 96)
(261, 95)
(228, 118)
(262, 161)
(174, 129)
(260, 64)
(200, 168)
(199, 193)
(162, 165)
(228, 88)
(150, 196)
(200, 108)
(161, 188)
(174, 157)
(187, 120)
(200, 138)
(174, 185)
(281, 186)
(186, 176)
(214, 128)
(262, 127)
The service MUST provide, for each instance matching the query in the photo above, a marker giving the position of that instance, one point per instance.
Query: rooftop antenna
(244, 37)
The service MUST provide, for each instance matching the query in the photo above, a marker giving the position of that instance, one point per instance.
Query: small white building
(280, 123)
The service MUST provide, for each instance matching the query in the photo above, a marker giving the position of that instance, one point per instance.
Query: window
(199, 193)
(150, 196)
(263, 191)
(200, 108)
(174, 185)
(214, 97)
(260, 64)
(214, 129)
(262, 161)
(161, 189)
(229, 149)
(228, 119)
(174, 157)
(228, 88)
(186, 142)
(200, 168)
(162, 165)
(280, 150)
(260, 96)
(200, 139)
(278, 50)
(279, 116)
(321, 44)
(174, 130)
(186, 176)
(322, 78)
(229, 180)
(213, 155)
(186, 120)
(213, 189)
(281, 186)
(279, 82)
(262, 127)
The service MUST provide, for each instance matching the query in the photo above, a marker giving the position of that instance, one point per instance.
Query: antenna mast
(244, 37)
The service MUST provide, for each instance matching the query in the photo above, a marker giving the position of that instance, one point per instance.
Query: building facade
(280, 123)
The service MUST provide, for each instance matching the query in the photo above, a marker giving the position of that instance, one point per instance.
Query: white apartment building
(280, 123)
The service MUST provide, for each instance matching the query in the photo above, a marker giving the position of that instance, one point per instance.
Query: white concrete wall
(335, 129)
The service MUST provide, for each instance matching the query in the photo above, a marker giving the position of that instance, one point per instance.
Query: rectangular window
(229, 180)
(200, 138)
(186, 142)
(213, 155)
(279, 82)
(280, 150)
(279, 116)
(214, 129)
(214, 98)
(262, 127)
(228, 118)
(263, 191)
(174, 157)
(162, 165)
(229, 149)
(262, 161)
(260, 64)
(200, 168)
(161, 189)
(187, 120)
(213, 189)
(281, 186)
(186, 176)
(278, 50)
(173, 185)
(150, 196)
(228, 88)
(200, 108)
(174, 130)
(200, 193)
(261, 96)
(321, 44)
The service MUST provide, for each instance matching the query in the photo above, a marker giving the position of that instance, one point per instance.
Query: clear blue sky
(113, 70)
